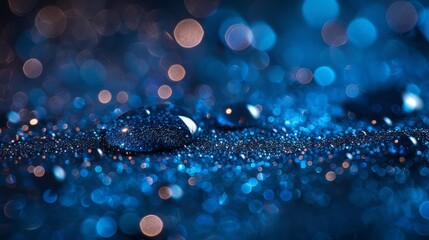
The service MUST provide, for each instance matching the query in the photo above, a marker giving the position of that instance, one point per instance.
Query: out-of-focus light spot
(6, 53)
(13, 117)
(324, 76)
(401, 16)
(188, 33)
(411, 102)
(122, 97)
(330, 176)
(304, 75)
(424, 209)
(362, 33)
(276, 74)
(34, 121)
(238, 37)
(93, 72)
(201, 8)
(164, 193)
(104, 96)
(59, 173)
(106, 227)
(49, 196)
(79, 102)
(165, 92)
(264, 37)
(39, 171)
(379, 71)
(317, 12)
(352, 90)
(176, 191)
(21, 7)
(151, 225)
(50, 22)
(176, 72)
(32, 68)
(334, 33)
(228, 111)
(260, 60)
(106, 22)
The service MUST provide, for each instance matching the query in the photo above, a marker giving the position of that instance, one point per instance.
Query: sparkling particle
(188, 33)
(151, 225)
(32, 68)
(153, 128)
(176, 72)
(238, 115)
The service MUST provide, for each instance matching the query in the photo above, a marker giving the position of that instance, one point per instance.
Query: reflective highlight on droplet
(154, 128)
(238, 115)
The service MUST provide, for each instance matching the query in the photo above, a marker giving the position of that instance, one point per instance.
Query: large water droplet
(149, 129)
(238, 115)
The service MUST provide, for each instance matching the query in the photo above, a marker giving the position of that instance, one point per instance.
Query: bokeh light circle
(264, 37)
(106, 227)
(201, 8)
(317, 12)
(176, 72)
(304, 75)
(32, 68)
(401, 16)
(334, 33)
(324, 76)
(51, 21)
(188, 33)
(238, 37)
(362, 33)
(151, 225)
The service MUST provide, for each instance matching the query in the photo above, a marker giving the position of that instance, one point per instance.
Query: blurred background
(88, 61)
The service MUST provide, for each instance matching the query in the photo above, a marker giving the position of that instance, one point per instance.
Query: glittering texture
(154, 128)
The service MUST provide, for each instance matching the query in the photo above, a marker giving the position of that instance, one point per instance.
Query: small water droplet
(394, 102)
(153, 128)
(238, 115)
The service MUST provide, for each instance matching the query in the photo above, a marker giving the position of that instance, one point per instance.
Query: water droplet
(392, 103)
(149, 129)
(238, 115)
